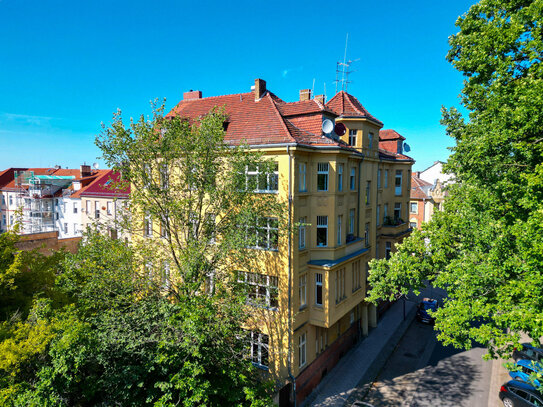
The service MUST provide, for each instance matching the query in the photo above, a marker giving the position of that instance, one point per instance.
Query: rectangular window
(75, 207)
(388, 249)
(413, 225)
(75, 228)
(386, 178)
(397, 211)
(322, 231)
(166, 275)
(414, 208)
(302, 167)
(164, 176)
(378, 222)
(340, 285)
(370, 140)
(96, 209)
(109, 208)
(352, 179)
(262, 289)
(164, 227)
(64, 207)
(263, 233)
(367, 234)
(258, 180)
(210, 227)
(352, 138)
(65, 228)
(259, 344)
(322, 176)
(302, 350)
(355, 274)
(379, 178)
(339, 222)
(398, 183)
(301, 233)
(318, 288)
(88, 207)
(147, 226)
(340, 177)
(351, 221)
(368, 192)
(10, 200)
(303, 291)
(385, 214)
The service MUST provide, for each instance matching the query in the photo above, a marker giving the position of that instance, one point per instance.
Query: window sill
(302, 308)
(258, 365)
(263, 249)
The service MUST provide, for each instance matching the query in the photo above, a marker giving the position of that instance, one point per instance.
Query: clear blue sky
(66, 66)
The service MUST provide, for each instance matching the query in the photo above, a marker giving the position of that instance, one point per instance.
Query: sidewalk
(355, 372)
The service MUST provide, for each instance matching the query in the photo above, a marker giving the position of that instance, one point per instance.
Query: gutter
(289, 228)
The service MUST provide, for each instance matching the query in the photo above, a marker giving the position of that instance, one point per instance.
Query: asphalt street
(422, 372)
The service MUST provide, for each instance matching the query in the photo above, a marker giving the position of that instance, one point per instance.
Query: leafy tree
(189, 190)
(486, 247)
(121, 342)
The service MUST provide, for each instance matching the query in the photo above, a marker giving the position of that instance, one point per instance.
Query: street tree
(486, 247)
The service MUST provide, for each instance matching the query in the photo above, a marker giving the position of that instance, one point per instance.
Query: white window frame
(271, 180)
(413, 205)
(388, 250)
(352, 137)
(268, 229)
(339, 234)
(148, 225)
(302, 290)
(75, 207)
(323, 170)
(340, 177)
(318, 288)
(398, 182)
(302, 233)
(302, 350)
(263, 289)
(109, 205)
(302, 168)
(398, 210)
(88, 207)
(322, 223)
(259, 344)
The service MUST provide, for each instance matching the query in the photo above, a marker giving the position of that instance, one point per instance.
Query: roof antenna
(313, 87)
(325, 98)
(343, 69)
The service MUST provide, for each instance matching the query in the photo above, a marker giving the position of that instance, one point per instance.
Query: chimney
(259, 88)
(417, 174)
(320, 99)
(85, 170)
(305, 94)
(192, 95)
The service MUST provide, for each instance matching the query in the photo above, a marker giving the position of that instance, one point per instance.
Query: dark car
(527, 351)
(427, 304)
(518, 394)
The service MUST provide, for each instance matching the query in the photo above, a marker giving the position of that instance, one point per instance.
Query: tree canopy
(486, 247)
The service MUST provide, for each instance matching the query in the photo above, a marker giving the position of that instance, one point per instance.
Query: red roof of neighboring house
(417, 188)
(106, 185)
(346, 105)
(388, 145)
(8, 175)
(389, 134)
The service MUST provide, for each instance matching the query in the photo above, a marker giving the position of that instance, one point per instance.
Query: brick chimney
(192, 95)
(320, 99)
(85, 170)
(259, 88)
(305, 94)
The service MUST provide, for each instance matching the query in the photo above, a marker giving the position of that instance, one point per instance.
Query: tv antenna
(343, 69)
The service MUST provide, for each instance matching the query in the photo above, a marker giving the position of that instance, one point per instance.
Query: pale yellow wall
(106, 220)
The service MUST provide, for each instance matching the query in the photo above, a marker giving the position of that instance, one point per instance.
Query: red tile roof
(346, 105)
(417, 188)
(105, 186)
(389, 134)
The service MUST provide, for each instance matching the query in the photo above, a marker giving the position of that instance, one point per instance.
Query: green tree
(486, 247)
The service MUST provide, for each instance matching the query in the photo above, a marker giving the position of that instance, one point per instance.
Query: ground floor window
(259, 349)
(302, 349)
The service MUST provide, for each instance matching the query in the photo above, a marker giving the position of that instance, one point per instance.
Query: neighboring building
(50, 199)
(427, 193)
(350, 196)
(103, 203)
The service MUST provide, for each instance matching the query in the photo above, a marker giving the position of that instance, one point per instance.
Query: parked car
(427, 304)
(519, 394)
(526, 368)
(528, 351)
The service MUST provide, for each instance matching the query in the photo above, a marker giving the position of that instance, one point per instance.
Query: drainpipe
(289, 356)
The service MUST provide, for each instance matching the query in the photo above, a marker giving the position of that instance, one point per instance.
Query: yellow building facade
(345, 185)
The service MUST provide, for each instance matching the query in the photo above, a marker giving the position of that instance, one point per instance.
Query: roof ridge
(281, 118)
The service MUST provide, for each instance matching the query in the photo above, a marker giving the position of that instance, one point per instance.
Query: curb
(379, 362)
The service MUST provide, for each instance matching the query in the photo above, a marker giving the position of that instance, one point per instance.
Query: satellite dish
(406, 147)
(95, 166)
(327, 126)
(340, 129)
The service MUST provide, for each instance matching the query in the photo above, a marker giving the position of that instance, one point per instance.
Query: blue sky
(66, 66)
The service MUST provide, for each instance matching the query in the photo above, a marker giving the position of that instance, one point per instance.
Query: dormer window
(352, 138)
(400, 149)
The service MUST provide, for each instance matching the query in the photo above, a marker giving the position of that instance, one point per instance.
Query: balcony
(394, 227)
